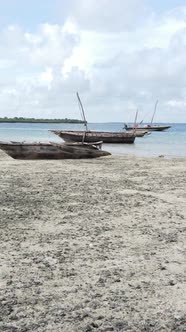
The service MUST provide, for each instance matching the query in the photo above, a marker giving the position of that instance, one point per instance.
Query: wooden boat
(92, 136)
(139, 128)
(149, 127)
(51, 150)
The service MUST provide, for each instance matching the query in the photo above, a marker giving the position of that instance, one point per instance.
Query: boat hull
(149, 128)
(92, 136)
(18, 150)
(139, 133)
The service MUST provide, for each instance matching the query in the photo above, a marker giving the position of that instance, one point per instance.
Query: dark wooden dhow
(92, 136)
(51, 150)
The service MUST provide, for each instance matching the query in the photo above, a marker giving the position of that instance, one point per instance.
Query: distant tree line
(33, 120)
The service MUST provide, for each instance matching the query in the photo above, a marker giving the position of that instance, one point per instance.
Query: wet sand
(92, 245)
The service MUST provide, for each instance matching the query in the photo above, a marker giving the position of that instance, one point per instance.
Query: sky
(120, 55)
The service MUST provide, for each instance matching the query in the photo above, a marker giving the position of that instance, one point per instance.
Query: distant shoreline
(32, 120)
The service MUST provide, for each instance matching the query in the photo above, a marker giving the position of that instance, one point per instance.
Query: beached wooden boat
(51, 150)
(92, 136)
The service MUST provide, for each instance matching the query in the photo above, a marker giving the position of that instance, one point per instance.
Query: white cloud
(106, 15)
(32, 68)
(119, 55)
(176, 103)
(137, 67)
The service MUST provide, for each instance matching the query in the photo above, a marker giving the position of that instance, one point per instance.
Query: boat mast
(154, 112)
(82, 111)
(135, 120)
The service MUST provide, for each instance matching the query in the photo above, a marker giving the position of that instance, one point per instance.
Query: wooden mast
(82, 111)
(154, 112)
(135, 120)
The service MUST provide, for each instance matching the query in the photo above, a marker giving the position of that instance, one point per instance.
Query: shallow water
(170, 143)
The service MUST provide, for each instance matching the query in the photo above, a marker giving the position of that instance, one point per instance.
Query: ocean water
(170, 143)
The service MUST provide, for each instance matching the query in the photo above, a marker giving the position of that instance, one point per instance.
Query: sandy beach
(92, 245)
